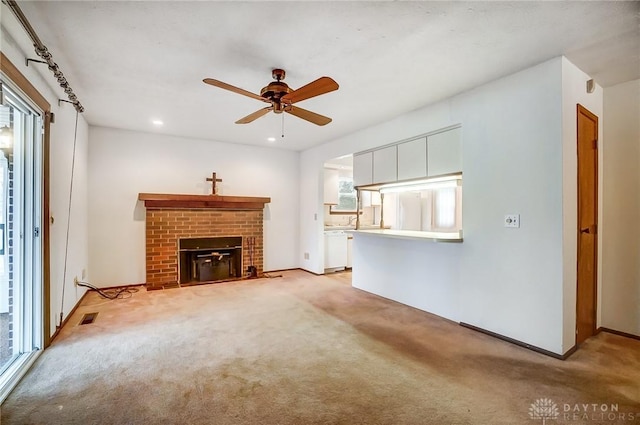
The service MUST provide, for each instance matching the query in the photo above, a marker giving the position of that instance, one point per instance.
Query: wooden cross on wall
(213, 181)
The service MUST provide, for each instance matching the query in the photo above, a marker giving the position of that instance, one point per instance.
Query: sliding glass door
(21, 248)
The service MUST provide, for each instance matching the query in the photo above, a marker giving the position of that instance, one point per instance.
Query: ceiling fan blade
(234, 89)
(308, 115)
(315, 88)
(257, 114)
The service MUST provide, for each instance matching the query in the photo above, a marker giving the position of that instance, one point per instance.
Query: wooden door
(587, 224)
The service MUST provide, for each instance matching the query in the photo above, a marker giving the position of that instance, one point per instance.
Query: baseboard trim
(310, 272)
(282, 270)
(572, 350)
(66, 320)
(299, 269)
(521, 344)
(620, 333)
(133, 285)
(271, 274)
(264, 274)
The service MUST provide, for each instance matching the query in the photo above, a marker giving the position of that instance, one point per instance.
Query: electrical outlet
(84, 274)
(75, 280)
(306, 255)
(512, 220)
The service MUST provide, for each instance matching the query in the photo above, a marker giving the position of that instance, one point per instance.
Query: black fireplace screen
(210, 259)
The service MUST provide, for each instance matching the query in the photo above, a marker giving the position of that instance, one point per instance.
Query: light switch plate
(512, 220)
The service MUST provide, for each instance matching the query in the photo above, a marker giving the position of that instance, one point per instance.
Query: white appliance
(335, 249)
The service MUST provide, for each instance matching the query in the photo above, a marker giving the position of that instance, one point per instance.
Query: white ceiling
(130, 62)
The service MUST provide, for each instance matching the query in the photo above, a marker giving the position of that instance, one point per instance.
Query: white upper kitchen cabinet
(331, 186)
(385, 165)
(444, 152)
(412, 159)
(363, 168)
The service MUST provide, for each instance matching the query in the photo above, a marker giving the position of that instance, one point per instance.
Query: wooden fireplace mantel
(177, 201)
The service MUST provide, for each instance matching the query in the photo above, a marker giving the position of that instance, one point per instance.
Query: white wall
(16, 46)
(61, 158)
(574, 91)
(510, 281)
(620, 227)
(125, 163)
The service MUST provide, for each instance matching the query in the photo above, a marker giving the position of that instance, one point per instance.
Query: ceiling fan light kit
(282, 97)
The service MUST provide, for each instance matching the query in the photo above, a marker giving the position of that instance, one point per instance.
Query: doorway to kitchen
(340, 212)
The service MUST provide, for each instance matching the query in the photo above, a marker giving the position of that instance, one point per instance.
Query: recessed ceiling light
(271, 139)
(157, 122)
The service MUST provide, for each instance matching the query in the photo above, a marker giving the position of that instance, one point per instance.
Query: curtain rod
(43, 52)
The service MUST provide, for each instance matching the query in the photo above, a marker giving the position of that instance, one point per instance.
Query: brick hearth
(209, 216)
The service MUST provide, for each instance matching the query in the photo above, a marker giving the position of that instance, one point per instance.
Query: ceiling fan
(282, 97)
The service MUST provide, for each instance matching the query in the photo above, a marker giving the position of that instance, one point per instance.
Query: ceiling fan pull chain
(282, 125)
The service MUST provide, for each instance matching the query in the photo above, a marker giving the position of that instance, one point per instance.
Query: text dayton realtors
(596, 412)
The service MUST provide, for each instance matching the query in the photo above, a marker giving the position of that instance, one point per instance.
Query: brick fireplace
(172, 218)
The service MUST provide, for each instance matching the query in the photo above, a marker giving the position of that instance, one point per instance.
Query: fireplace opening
(209, 259)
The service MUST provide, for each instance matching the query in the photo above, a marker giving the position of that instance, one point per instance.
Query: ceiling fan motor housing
(274, 91)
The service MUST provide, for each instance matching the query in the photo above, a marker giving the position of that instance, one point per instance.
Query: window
(444, 208)
(346, 195)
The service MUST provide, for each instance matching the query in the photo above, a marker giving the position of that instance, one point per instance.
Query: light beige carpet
(304, 349)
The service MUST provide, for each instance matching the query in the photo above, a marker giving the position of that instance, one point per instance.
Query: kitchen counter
(365, 227)
(411, 234)
(329, 228)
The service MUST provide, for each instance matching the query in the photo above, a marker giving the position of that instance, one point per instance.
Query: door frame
(17, 78)
(581, 110)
